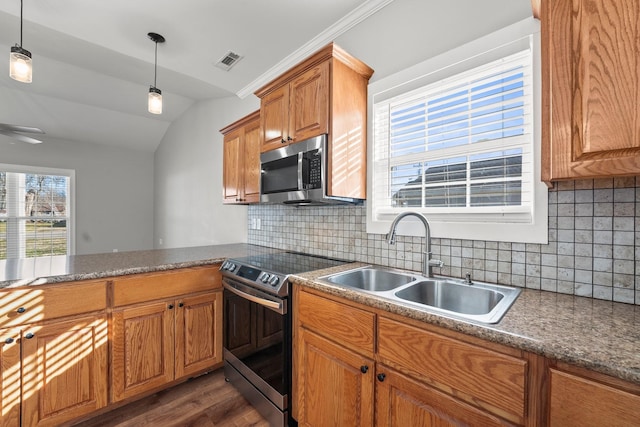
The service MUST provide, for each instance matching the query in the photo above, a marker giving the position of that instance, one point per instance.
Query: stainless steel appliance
(257, 327)
(296, 174)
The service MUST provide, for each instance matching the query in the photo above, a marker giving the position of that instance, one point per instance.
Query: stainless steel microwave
(297, 174)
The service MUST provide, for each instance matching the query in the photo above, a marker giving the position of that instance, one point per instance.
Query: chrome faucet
(427, 262)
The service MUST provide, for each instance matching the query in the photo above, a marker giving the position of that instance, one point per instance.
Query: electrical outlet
(258, 225)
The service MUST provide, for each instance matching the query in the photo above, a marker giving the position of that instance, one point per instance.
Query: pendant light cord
(155, 66)
(21, 6)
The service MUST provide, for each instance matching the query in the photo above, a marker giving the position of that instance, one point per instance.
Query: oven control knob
(274, 280)
(266, 277)
(261, 276)
(231, 266)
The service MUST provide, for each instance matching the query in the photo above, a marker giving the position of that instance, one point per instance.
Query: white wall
(114, 190)
(188, 178)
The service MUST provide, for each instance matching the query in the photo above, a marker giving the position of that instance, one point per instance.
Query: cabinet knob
(21, 310)
(364, 369)
(29, 336)
(181, 304)
(8, 341)
(283, 141)
(170, 307)
(289, 138)
(381, 377)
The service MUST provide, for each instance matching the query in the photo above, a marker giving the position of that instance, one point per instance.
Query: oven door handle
(276, 306)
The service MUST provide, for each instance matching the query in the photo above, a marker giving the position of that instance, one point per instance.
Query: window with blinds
(34, 214)
(462, 144)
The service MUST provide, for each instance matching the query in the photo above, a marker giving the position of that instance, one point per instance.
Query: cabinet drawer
(165, 284)
(485, 378)
(344, 324)
(23, 306)
(582, 402)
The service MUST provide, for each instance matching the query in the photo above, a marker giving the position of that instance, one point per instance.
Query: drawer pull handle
(29, 336)
(364, 369)
(21, 310)
(381, 377)
(8, 341)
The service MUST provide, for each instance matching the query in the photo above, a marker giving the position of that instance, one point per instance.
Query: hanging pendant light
(20, 66)
(155, 94)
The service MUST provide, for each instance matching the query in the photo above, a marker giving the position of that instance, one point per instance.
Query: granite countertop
(599, 335)
(57, 269)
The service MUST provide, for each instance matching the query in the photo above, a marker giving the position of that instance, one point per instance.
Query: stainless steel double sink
(477, 301)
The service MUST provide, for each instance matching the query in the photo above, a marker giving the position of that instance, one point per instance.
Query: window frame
(69, 173)
(473, 223)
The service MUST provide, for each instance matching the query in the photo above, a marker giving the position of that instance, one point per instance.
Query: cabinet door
(231, 171)
(309, 103)
(64, 370)
(591, 88)
(251, 158)
(143, 348)
(274, 118)
(335, 385)
(401, 401)
(198, 333)
(10, 377)
(576, 401)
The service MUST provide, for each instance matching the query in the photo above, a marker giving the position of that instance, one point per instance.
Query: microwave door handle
(300, 181)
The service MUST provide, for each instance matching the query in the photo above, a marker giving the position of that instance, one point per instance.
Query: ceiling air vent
(228, 60)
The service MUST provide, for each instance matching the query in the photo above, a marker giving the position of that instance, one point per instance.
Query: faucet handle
(436, 263)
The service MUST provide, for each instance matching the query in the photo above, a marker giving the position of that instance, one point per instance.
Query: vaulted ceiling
(93, 62)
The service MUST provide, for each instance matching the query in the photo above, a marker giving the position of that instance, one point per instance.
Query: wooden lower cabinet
(411, 376)
(198, 333)
(64, 370)
(10, 377)
(335, 384)
(156, 343)
(402, 401)
(578, 400)
(143, 349)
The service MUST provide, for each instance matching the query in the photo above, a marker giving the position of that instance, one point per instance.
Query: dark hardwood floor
(205, 401)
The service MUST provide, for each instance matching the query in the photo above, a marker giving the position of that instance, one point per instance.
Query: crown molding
(349, 21)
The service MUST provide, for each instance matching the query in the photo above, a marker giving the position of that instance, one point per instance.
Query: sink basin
(371, 279)
(478, 301)
(462, 299)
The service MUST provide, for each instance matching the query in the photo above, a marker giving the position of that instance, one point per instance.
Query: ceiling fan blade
(17, 128)
(20, 137)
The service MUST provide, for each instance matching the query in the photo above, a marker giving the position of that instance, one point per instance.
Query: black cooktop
(286, 263)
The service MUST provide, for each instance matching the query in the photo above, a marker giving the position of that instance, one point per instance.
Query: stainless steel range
(257, 327)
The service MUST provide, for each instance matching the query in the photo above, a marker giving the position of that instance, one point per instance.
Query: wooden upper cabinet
(324, 94)
(241, 160)
(591, 88)
(298, 110)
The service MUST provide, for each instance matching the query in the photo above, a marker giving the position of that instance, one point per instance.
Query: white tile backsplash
(594, 241)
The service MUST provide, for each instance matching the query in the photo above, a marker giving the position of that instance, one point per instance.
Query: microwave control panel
(312, 170)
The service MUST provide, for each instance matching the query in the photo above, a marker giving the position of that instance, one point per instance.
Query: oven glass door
(256, 334)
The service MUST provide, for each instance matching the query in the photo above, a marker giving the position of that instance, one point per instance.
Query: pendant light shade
(155, 100)
(155, 94)
(20, 65)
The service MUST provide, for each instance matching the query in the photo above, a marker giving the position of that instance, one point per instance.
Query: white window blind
(34, 214)
(463, 144)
